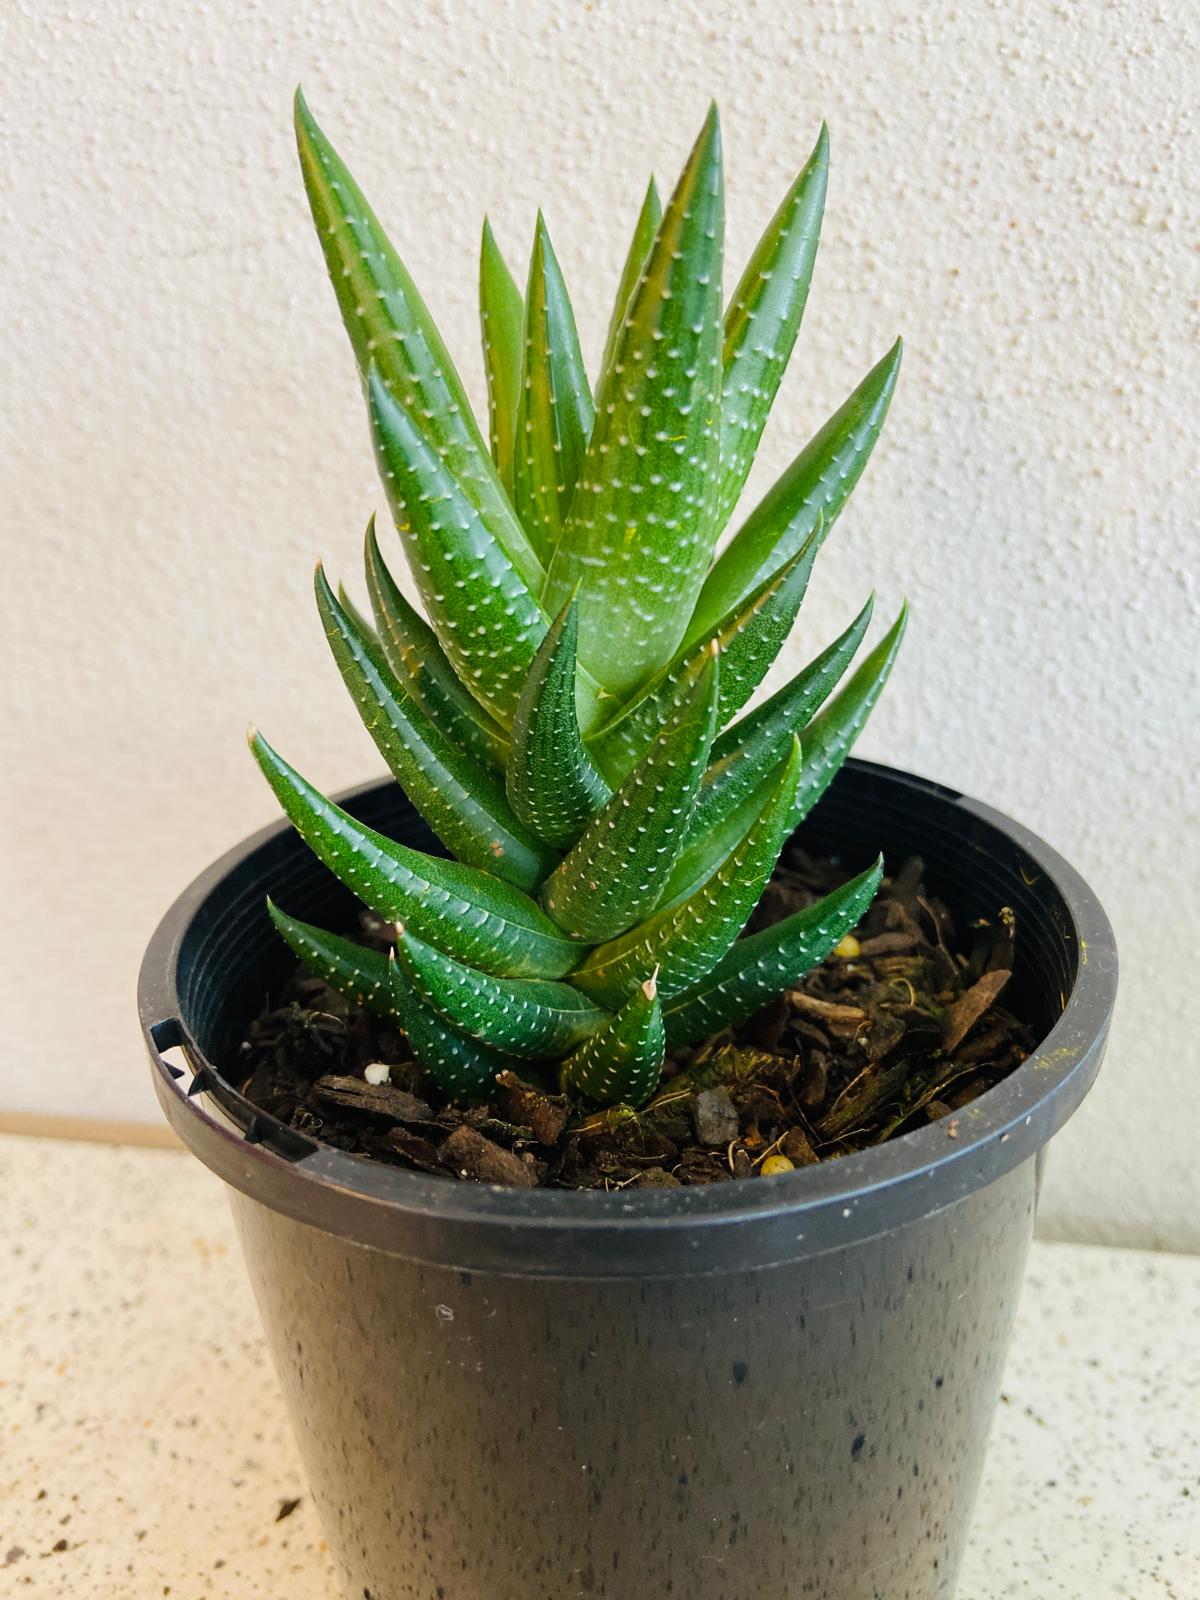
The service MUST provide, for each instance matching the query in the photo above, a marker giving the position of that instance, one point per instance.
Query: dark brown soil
(901, 1026)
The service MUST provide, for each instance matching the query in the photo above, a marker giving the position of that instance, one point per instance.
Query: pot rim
(585, 1234)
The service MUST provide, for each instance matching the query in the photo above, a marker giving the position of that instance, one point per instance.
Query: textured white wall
(1013, 188)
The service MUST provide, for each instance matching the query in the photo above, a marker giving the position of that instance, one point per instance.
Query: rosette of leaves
(568, 714)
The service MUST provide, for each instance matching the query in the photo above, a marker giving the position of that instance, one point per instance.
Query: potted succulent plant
(674, 1387)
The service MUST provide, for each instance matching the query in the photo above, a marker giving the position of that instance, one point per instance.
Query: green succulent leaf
(749, 751)
(501, 313)
(727, 799)
(748, 639)
(616, 871)
(648, 220)
(685, 941)
(640, 533)
(476, 916)
(457, 1064)
(391, 330)
(527, 1017)
(411, 649)
(763, 964)
(460, 800)
(554, 405)
(358, 973)
(817, 484)
(828, 738)
(360, 622)
(622, 1061)
(553, 784)
(763, 320)
(488, 621)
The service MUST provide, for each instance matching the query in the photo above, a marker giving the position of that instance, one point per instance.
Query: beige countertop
(144, 1451)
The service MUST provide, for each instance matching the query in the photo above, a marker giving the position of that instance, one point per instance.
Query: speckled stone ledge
(145, 1451)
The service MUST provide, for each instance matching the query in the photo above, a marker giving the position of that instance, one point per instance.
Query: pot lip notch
(649, 1233)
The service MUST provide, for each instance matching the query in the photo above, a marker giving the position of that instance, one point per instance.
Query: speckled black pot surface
(780, 1387)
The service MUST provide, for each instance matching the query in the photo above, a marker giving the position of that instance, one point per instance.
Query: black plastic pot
(778, 1388)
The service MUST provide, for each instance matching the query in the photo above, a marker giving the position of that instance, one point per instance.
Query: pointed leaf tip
(709, 140)
(501, 314)
(390, 327)
(622, 1060)
(640, 529)
(461, 801)
(758, 966)
(358, 973)
(762, 321)
(648, 220)
(818, 482)
(554, 408)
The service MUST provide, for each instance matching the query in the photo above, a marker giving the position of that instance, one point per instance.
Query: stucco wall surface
(1013, 188)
